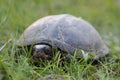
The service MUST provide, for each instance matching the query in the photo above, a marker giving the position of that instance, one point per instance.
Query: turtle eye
(47, 51)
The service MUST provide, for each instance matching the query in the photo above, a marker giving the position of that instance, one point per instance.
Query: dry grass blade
(1, 48)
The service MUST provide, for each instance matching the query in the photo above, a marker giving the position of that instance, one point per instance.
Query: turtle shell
(66, 32)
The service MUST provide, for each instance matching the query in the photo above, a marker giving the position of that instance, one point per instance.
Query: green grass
(16, 15)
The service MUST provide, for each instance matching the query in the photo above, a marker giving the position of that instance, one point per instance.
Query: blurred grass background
(16, 15)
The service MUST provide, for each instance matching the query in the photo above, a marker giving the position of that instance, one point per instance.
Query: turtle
(66, 32)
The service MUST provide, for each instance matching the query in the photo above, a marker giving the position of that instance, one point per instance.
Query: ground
(16, 15)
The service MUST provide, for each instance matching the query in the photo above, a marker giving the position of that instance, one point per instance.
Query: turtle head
(42, 51)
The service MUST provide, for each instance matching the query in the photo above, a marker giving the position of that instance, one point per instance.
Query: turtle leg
(67, 56)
